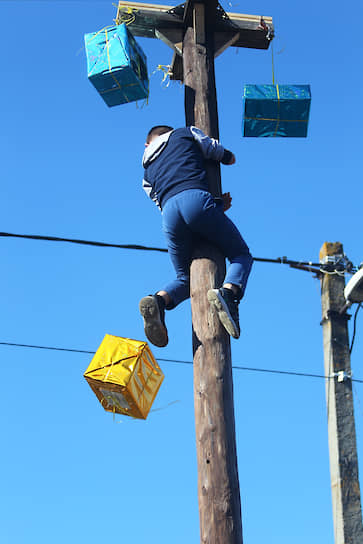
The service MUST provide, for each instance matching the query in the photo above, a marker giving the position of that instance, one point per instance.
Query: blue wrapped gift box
(116, 65)
(276, 110)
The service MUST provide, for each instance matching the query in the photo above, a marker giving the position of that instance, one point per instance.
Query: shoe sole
(154, 329)
(216, 299)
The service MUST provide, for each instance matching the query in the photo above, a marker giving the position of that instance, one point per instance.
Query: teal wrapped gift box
(116, 65)
(276, 110)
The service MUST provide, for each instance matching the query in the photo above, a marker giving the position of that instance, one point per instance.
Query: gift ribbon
(277, 91)
(99, 32)
(278, 109)
(278, 120)
(108, 50)
(104, 29)
(273, 67)
(165, 69)
(273, 119)
(127, 17)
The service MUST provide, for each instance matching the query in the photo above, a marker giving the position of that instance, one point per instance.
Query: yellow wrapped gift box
(125, 376)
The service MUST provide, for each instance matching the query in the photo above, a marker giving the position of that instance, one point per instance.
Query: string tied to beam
(165, 70)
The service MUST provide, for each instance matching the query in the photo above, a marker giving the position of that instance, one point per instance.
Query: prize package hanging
(116, 65)
(124, 376)
(276, 110)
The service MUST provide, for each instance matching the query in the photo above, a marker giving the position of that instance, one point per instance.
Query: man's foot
(226, 304)
(152, 309)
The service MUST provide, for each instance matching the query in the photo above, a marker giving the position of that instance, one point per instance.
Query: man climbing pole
(176, 179)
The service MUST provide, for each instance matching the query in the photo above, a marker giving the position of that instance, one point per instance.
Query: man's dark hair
(157, 131)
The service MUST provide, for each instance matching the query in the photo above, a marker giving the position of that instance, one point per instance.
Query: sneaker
(227, 307)
(152, 309)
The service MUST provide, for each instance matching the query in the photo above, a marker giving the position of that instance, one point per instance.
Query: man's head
(156, 131)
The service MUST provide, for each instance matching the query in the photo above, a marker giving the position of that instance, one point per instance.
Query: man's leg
(179, 242)
(212, 223)
(152, 309)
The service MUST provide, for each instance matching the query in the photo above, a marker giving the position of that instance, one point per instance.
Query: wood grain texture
(346, 500)
(218, 484)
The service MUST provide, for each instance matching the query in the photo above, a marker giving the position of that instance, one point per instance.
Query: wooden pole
(218, 485)
(347, 512)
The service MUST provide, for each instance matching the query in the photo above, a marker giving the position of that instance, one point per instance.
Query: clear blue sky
(71, 167)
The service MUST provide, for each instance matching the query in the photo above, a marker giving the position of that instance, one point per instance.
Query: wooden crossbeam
(144, 19)
(222, 40)
(167, 23)
(172, 38)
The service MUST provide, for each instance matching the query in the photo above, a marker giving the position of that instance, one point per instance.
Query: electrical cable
(45, 347)
(178, 361)
(82, 242)
(354, 327)
(303, 265)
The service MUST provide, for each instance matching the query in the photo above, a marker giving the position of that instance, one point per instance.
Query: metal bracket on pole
(341, 376)
(336, 264)
(333, 314)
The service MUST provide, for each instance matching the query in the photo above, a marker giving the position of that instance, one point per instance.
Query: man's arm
(150, 192)
(211, 148)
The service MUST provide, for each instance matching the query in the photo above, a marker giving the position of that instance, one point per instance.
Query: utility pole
(218, 483)
(198, 31)
(346, 500)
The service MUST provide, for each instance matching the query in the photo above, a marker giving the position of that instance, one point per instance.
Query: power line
(303, 265)
(46, 347)
(354, 327)
(179, 361)
(82, 242)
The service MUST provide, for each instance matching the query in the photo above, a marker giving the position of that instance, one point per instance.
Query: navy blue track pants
(190, 215)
